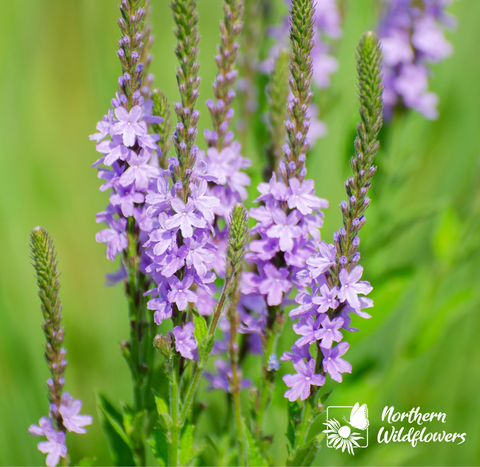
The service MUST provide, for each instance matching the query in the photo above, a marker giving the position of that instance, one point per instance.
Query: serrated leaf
(204, 349)
(163, 416)
(306, 453)
(201, 329)
(186, 446)
(160, 446)
(253, 456)
(293, 417)
(112, 426)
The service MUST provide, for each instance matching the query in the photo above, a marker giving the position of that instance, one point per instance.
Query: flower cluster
(181, 241)
(223, 156)
(181, 212)
(412, 38)
(55, 447)
(129, 153)
(333, 287)
(64, 410)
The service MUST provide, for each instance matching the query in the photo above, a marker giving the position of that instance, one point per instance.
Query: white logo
(340, 435)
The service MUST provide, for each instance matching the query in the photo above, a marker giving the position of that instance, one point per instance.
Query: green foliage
(87, 462)
(113, 429)
(252, 453)
(305, 454)
(204, 348)
(201, 329)
(294, 412)
(164, 417)
(160, 446)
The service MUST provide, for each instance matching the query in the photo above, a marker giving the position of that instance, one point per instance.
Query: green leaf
(163, 416)
(204, 349)
(186, 446)
(253, 456)
(112, 425)
(306, 453)
(293, 418)
(87, 462)
(201, 329)
(160, 446)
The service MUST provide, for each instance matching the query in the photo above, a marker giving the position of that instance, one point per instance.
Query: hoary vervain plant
(189, 262)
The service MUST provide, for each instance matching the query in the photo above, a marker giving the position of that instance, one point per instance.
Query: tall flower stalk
(289, 216)
(130, 156)
(333, 288)
(63, 410)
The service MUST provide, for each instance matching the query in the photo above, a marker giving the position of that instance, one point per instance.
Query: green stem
(174, 410)
(233, 318)
(268, 380)
(304, 427)
(238, 417)
(198, 372)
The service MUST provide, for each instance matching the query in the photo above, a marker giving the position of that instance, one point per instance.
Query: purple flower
(326, 300)
(197, 255)
(69, 410)
(333, 364)
(126, 200)
(274, 284)
(324, 260)
(329, 332)
(115, 238)
(222, 379)
(55, 446)
(202, 201)
(302, 197)
(285, 228)
(411, 38)
(351, 287)
(296, 354)
(128, 124)
(163, 309)
(306, 327)
(185, 342)
(184, 217)
(180, 293)
(139, 172)
(301, 382)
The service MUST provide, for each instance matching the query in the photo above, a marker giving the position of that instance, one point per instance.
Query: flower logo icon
(345, 436)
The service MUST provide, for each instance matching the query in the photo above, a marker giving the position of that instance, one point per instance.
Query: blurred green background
(420, 246)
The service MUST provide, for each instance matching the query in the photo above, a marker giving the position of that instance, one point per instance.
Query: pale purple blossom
(69, 410)
(329, 331)
(324, 260)
(326, 299)
(301, 382)
(412, 37)
(55, 446)
(351, 286)
(274, 284)
(180, 292)
(115, 238)
(221, 380)
(185, 217)
(333, 364)
(128, 124)
(185, 342)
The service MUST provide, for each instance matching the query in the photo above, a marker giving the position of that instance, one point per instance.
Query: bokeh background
(420, 246)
